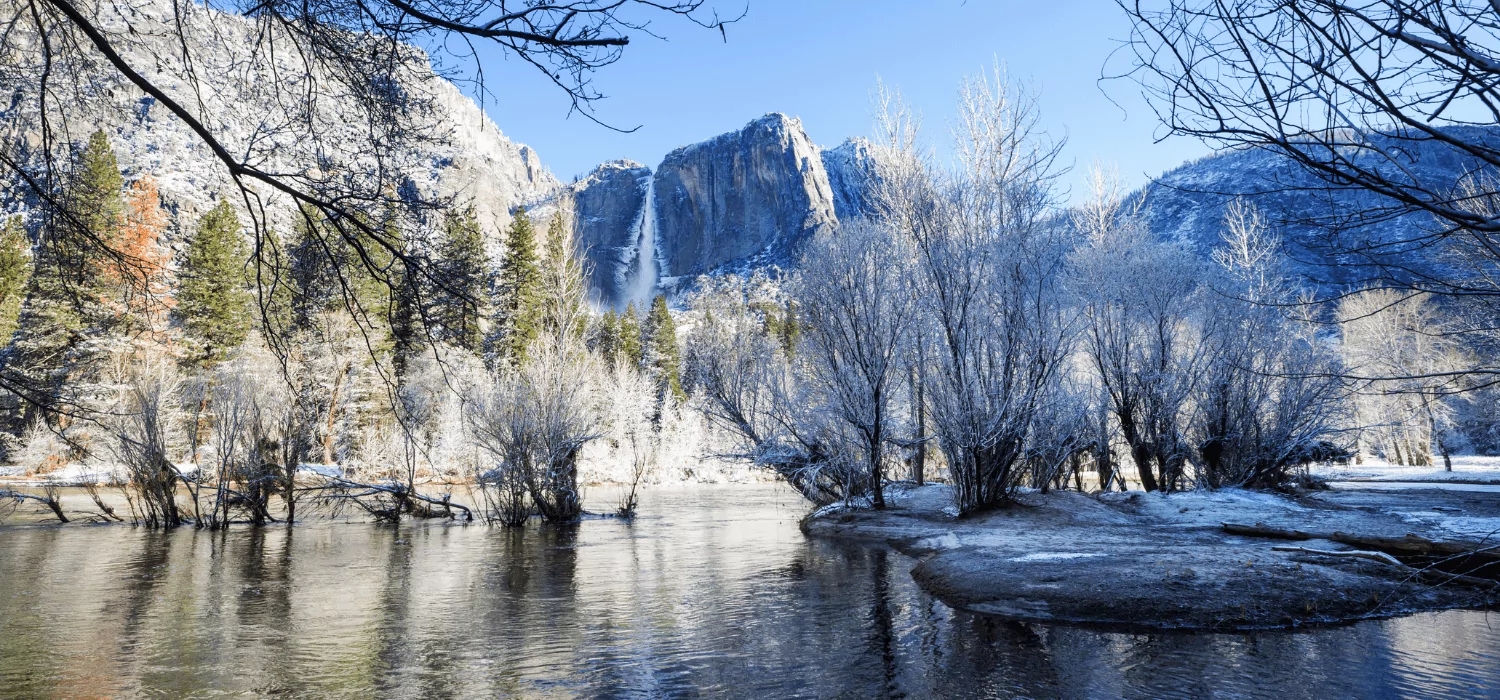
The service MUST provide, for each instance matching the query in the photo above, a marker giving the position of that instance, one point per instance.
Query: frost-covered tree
(991, 259)
(748, 389)
(1268, 395)
(859, 305)
(1396, 348)
(1141, 301)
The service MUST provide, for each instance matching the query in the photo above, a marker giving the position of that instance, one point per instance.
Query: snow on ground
(1205, 508)
(1055, 556)
(1465, 468)
(1463, 526)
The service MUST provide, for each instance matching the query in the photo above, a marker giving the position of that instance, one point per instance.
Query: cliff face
(852, 168)
(742, 199)
(607, 214)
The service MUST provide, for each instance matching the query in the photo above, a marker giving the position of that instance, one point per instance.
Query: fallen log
(1381, 557)
(1453, 560)
(50, 501)
(1259, 530)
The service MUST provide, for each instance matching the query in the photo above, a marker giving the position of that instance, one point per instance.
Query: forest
(972, 330)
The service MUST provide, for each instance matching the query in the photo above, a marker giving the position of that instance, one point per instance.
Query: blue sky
(819, 59)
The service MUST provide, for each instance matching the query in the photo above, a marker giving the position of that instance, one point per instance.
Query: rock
(607, 210)
(743, 199)
(852, 170)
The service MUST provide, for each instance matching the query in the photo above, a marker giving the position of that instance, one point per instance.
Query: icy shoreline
(1164, 562)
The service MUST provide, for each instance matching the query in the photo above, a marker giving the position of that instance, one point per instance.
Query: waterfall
(641, 288)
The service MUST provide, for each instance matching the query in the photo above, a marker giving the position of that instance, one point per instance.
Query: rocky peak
(852, 168)
(607, 206)
(740, 199)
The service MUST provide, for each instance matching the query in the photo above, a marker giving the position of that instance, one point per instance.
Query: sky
(819, 60)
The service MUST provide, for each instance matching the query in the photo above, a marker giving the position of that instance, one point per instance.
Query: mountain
(608, 204)
(252, 101)
(745, 199)
(1187, 204)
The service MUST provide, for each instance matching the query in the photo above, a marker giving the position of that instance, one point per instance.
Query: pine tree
(15, 273)
(791, 329)
(518, 312)
(94, 200)
(630, 336)
(465, 270)
(314, 284)
(214, 300)
(63, 315)
(661, 355)
(607, 337)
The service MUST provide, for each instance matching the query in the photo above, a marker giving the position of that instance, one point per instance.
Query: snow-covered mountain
(741, 200)
(1187, 204)
(461, 153)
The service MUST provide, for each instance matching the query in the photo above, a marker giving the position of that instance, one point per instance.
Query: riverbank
(1164, 561)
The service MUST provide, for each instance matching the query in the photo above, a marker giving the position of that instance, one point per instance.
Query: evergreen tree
(630, 336)
(15, 273)
(465, 271)
(661, 355)
(791, 329)
(314, 287)
(562, 285)
(607, 337)
(517, 308)
(62, 317)
(95, 208)
(214, 300)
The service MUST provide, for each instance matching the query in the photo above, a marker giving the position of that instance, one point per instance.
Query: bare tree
(1140, 299)
(1270, 394)
(141, 441)
(859, 305)
(747, 386)
(990, 256)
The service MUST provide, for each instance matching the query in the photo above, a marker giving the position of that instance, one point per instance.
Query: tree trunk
(919, 460)
(333, 405)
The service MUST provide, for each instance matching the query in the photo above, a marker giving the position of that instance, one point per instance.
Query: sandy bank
(1148, 560)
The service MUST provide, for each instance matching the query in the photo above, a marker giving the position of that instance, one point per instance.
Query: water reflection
(712, 592)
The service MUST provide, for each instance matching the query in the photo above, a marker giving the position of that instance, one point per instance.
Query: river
(710, 592)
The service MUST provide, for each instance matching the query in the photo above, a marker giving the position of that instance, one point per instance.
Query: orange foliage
(139, 271)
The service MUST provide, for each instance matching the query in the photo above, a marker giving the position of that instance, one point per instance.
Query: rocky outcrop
(745, 198)
(607, 212)
(852, 171)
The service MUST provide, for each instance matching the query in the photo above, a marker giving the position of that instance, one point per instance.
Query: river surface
(711, 592)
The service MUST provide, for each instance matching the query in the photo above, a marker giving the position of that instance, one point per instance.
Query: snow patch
(1055, 556)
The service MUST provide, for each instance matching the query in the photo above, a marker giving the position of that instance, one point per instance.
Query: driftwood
(385, 501)
(50, 500)
(1381, 557)
(1471, 563)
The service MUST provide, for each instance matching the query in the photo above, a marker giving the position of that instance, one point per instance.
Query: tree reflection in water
(711, 591)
